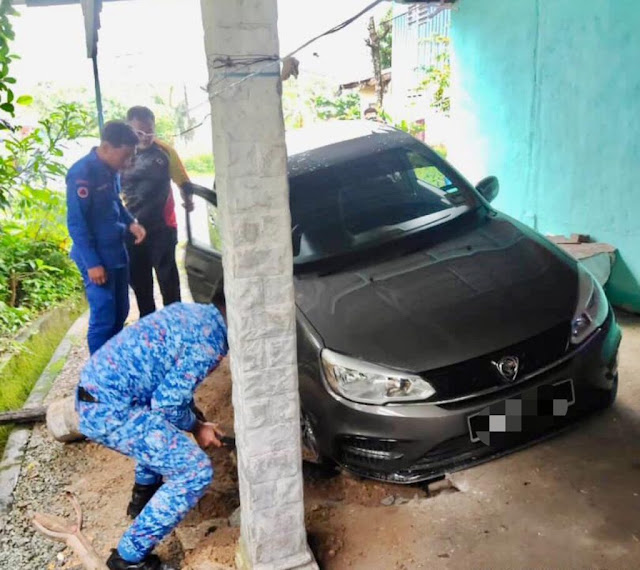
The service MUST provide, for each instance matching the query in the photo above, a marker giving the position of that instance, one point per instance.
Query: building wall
(413, 52)
(546, 95)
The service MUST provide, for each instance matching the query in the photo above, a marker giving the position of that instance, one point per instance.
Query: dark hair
(140, 113)
(118, 134)
(370, 109)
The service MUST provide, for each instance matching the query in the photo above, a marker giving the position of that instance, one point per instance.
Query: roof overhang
(91, 10)
(367, 82)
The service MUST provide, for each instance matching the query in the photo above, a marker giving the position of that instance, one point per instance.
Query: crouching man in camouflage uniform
(135, 396)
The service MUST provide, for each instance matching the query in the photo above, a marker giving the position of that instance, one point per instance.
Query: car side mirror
(488, 188)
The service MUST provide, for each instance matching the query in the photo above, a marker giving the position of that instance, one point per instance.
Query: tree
(386, 41)
(379, 43)
(173, 120)
(342, 107)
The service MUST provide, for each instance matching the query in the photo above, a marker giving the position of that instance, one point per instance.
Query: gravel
(41, 485)
(48, 468)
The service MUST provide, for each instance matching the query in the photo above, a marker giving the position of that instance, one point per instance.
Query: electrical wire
(273, 59)
(195, 126)
(245, 61)
(222, 61)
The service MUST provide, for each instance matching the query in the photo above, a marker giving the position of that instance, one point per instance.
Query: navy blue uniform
(138, 394)
(98, 224)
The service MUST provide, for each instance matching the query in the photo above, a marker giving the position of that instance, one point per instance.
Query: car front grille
(368, 452)
(479, 375)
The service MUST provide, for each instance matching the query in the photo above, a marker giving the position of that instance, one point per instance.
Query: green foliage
(31, 158)
(413, 128)
(35, 269)
(441, 150)
(432, 174)
(437, 78)
(48, 98)
(200, 164)
(172, 118)
(341, 107)
(386, 37)
(298, 100)
(7, 96)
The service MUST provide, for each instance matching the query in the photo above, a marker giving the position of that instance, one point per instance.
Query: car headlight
(372, 384)
(592, 308)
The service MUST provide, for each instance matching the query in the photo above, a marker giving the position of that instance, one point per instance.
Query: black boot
(140, 496)
(116, 562)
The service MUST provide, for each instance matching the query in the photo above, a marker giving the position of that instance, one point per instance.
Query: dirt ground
(204, 540)
(571, 502)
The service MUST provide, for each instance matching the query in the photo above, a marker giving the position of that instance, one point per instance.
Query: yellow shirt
(177, 170)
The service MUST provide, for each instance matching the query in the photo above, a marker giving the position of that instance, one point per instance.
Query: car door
(203, 258)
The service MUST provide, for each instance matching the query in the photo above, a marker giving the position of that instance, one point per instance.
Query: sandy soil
(571, 502)
(204, 540)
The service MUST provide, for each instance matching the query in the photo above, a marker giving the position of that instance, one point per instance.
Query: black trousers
(157, 252)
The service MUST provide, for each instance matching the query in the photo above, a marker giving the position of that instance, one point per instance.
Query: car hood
(489, 287)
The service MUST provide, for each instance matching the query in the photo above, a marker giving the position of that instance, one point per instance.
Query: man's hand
(207, 434)
(97, 275)
(186, 191)
(187, 202)
(138, 231)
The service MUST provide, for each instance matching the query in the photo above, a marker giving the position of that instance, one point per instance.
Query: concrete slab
(597, 257)
(570, 502)
(11, 465)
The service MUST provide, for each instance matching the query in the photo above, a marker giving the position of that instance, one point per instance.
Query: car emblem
(508, 367)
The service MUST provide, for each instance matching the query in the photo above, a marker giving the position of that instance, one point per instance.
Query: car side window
(204, 224)
(432, 178)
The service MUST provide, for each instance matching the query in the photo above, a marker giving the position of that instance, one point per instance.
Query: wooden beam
(24, 416)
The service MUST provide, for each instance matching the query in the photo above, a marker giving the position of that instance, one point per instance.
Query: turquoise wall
(547, 97)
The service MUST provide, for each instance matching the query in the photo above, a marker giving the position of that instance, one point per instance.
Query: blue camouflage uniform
(142, 382)
(98, 224)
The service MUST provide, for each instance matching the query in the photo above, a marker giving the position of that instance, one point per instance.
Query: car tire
(612, 394)
(310, 451)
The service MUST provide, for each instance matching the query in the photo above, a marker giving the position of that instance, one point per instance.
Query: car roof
(332, 132)
(314, 148)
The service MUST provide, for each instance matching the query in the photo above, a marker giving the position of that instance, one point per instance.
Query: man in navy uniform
(98, 224)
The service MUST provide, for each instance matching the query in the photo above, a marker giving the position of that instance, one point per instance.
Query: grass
(21, 373)
(201, 164)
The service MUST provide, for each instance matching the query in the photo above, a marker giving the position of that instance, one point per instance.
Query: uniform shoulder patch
(83, 192)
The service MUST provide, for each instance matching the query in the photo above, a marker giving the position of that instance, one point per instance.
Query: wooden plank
(24, 416)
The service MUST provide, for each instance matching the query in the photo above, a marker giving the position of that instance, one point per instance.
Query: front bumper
(407, 443)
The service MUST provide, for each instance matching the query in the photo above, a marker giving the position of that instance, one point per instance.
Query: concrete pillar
(253, 201)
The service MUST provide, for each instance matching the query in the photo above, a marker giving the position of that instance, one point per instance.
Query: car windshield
(372, 199)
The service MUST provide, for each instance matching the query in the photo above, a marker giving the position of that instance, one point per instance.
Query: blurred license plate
(532, 411)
